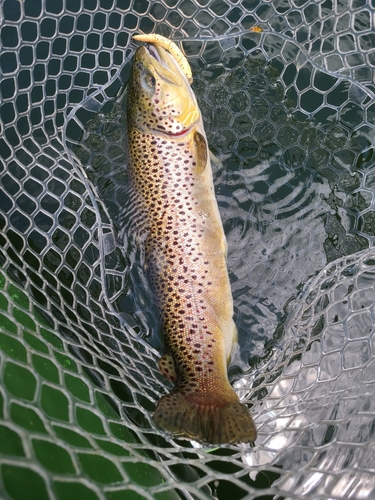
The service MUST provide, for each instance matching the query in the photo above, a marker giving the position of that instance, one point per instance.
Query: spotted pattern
(184, 256)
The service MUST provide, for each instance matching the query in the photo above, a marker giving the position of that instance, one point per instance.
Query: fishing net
(289, 113)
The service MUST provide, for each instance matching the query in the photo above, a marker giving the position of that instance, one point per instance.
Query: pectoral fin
(201, 151)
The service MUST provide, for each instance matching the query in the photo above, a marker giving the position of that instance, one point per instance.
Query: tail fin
(181, 416)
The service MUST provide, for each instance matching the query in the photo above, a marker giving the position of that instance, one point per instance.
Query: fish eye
(149, 82)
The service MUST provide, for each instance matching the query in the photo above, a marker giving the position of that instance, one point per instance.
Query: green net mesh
(290, 114)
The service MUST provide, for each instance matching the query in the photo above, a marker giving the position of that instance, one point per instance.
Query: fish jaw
(172, 48)
(161, 100)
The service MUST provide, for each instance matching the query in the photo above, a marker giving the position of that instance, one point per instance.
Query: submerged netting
(289, 112)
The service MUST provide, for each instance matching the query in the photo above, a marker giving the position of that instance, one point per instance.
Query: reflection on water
(324, 392)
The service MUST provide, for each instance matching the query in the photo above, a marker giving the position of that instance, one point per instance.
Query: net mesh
(289, 112)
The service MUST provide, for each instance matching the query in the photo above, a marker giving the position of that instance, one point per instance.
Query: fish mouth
(160, 55)
(154, 53)
(166, 67)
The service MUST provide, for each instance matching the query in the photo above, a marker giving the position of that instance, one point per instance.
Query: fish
(184, 247)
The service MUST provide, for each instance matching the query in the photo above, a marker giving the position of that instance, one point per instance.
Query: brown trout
(185, 249)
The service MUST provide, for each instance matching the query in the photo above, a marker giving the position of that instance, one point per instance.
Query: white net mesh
(289, 112)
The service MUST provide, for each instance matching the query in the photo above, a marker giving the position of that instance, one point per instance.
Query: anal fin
(167, 368)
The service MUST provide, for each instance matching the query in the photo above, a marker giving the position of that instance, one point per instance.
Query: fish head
(160, 98)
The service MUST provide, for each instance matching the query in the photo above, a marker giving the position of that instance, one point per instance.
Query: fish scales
(185, 252)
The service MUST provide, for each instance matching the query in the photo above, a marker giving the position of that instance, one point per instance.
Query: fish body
(185, 251)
